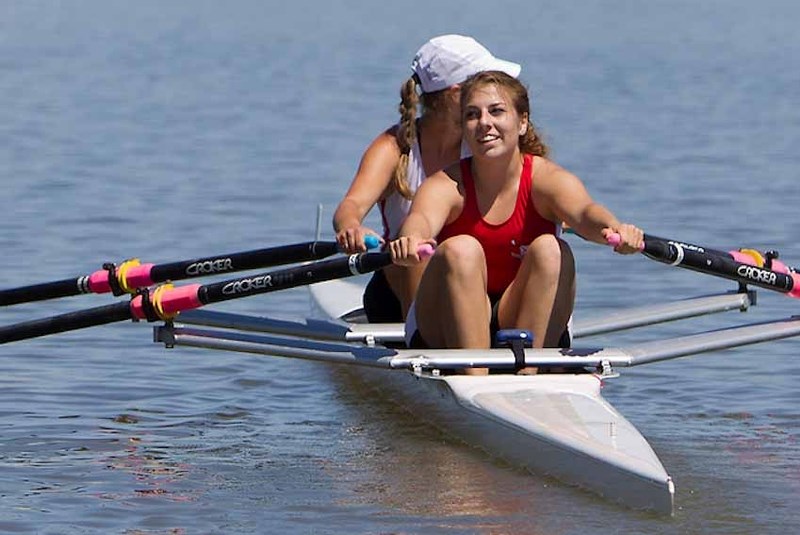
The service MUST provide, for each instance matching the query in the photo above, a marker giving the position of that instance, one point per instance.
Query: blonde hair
(531, 141)
(406, 133)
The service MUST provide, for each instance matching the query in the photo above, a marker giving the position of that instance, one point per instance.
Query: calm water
(168, 130)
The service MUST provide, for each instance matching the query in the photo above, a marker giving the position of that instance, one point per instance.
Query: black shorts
(380, 303)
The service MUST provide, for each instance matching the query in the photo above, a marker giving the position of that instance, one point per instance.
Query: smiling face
(492, 125)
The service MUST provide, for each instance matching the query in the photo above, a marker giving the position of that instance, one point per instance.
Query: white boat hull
(554, 424)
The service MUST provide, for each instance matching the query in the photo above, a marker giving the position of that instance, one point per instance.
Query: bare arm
(437, 201)
(561, 196)
(371, 182)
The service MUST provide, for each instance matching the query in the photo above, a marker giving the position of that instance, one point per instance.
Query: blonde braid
(406, 135)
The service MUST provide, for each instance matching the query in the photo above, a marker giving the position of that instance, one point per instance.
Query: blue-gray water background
(169, 130)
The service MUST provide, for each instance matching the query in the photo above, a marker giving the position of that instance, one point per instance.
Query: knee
(461, 254)
(549, 254)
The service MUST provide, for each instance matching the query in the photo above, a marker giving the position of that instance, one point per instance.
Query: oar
(130, 275)
(744, 266)
(164, 302)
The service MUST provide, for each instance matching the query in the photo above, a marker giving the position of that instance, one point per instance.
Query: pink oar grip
(425, 251)
(615, 239)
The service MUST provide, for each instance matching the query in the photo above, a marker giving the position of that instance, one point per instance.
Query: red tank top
(503, 244)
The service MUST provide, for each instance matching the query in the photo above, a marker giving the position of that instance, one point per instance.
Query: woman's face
(492, 126)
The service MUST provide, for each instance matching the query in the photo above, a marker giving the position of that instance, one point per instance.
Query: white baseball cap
(450, 59)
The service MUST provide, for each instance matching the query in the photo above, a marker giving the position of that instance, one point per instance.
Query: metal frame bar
(378, 356)
(653, 314)
(394, 332)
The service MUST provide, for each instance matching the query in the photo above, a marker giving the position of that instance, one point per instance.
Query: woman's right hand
(351, 240)
(406, 250)
(629, 239)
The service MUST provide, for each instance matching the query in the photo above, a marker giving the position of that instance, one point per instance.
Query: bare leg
(452, 307)
(542, 296)
(404, 282)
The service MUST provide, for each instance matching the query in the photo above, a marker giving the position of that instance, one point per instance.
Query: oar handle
(615, 239)
(739, 266)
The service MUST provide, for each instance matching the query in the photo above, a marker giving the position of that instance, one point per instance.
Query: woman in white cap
(400, 158)
(499, 263)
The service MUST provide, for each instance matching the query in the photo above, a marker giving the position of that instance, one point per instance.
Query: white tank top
(395, 207)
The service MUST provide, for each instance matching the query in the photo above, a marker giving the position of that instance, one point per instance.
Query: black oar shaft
(70, 321)
(657, 241)
(713, 262)
(292, 277)
(244, 261)
(46, 290)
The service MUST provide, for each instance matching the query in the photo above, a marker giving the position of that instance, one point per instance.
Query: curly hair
(531, 141)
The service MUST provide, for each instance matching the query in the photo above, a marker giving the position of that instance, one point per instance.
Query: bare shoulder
(386, 141)
(556, 191)
(381, 156)
(546, 169)
(373, 179)
(549, 176)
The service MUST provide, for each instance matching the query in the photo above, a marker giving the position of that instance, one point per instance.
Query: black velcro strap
(113, 281)
(517, 346)
(147, 305)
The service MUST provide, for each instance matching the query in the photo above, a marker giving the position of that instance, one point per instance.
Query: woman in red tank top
(497, 217)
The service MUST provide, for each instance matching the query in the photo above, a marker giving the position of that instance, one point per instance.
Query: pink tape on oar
(744, 258)
(135, 276)
(171, 302)
(98, 282)
(776, 265)
(795, 285)
(139, 276)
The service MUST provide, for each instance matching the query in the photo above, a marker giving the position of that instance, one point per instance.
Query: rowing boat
(553, 424)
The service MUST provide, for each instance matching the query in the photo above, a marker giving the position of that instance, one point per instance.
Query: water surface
(173, 130)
